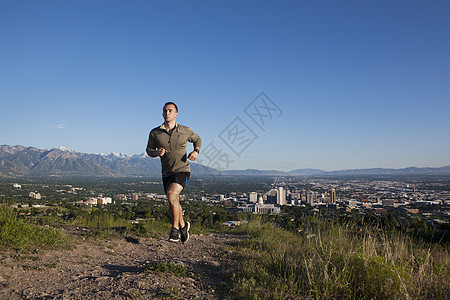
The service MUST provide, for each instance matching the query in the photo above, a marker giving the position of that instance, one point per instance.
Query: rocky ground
(115, 269)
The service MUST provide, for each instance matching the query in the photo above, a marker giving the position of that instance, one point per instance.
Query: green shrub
(100, 219)
(19, 234)
(151, 228)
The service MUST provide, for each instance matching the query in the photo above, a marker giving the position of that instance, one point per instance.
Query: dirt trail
(114, 269)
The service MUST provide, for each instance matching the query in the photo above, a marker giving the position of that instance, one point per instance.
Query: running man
(169, 142)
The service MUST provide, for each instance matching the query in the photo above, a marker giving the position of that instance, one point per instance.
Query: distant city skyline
(267, 85)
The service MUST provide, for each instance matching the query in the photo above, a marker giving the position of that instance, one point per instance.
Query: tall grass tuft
(19, 234)
(327, 260)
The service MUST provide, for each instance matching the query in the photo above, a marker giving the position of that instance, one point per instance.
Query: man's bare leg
(175, 211)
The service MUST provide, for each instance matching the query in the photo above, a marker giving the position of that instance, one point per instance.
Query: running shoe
(185, 232)
(174, 235)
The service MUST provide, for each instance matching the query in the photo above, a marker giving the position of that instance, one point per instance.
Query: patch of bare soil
(115, 269)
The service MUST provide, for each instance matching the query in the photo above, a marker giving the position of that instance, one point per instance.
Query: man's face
(169, 112)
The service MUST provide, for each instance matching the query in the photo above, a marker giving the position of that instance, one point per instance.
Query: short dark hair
(170, 102)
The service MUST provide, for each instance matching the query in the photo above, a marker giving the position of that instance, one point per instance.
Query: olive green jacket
(175, 159)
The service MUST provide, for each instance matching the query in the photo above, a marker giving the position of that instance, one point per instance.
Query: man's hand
(193, 155)
(161, 151)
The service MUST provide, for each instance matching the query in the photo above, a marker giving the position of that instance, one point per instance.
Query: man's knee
(173, 197)
(173, 193)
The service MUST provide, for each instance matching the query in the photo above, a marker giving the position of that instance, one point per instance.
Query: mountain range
(21, 161)
(31, 161)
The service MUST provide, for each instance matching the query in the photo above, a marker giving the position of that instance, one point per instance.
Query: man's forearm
(198, 143)
(152, 153)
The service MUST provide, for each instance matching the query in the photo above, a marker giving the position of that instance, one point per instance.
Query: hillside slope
(115, 269)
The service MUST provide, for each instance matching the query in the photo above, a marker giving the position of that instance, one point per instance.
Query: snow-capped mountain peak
(119, 155)
(65, 149)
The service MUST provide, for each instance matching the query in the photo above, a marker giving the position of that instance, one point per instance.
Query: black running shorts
(180, 178)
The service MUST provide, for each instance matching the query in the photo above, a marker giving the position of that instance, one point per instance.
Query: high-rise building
(272, 196)
(310, 197)
(273, 192)
(281, 196)
(253, 197)
(333, 196)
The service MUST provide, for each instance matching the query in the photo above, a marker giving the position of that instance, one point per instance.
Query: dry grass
(327, 261)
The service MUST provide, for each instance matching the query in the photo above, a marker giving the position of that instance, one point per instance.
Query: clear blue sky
(360, 83)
